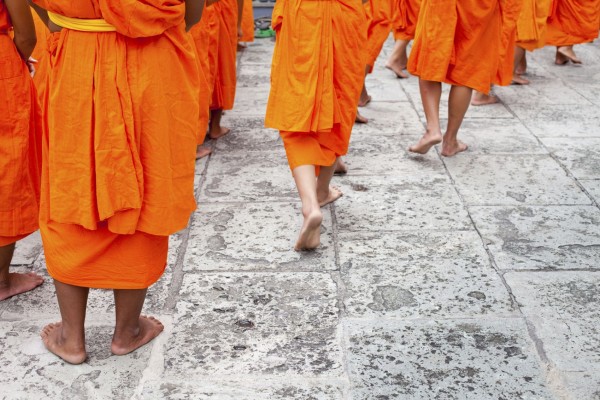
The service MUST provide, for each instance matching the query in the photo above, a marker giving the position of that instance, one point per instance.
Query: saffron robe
(573, 22)
(532, 24)
(405, 18)
(247, 22)
(226, 77)
(380, 16)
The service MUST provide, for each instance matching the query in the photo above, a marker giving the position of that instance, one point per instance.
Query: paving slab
(420, 274)
(453, 359)
(559, 237)
(544, 89)
(388, 89)
(593, 188)
(560, 120)
(28, 250)
(389, 118)
(581, 157)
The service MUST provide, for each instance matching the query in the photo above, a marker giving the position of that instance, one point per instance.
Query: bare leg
(364, 95)
(520, 61)
(327, 194)
(132, 330)
(13, 284)
(310, 233)
(482, 99)
(458, 104)
(340, 167)
(564, 54)
(66, 339)
(431, 93)
(398, 59)
(215, 130)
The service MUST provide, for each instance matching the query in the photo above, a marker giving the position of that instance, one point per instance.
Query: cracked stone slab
(560, 120)
(249, 134)
(255, 323)
(250, 387)
(237, 177)
(541, 237)
(564, 308)
(513, 179)
(250, 102)
(593, 188)
(385, 89)
(581, 156)
(259, 52)
(387, 118)
(28, 250)
(29, 371)
(399, 203)
(462, 359)
(420, 274)
(255, 236)
(545, 90)
(253, 76)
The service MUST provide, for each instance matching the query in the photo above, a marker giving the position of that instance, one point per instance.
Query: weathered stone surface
(545, 90)
(564, 308)
(460, 359)
(420, 274)
(541, 237)
(514, 179)
(385, 89)
(593, 188)
(255, 236)
(28, 250)
(249, 136)
(560, 120)
(498, 137)
(387, 118)
(266, 323)
(581, 156)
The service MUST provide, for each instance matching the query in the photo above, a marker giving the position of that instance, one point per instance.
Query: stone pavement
(476, 277)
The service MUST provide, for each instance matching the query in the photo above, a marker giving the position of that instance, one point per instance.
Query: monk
(404, 23)
(223, 98)
(118, 157)
(20, 141)
(468, 44)
(572, 22)
(247, 23)
(316, 80)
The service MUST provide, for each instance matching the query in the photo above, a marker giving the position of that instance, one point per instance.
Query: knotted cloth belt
(80, 24)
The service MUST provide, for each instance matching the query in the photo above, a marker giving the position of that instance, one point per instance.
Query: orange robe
(247, 22)
(405, 18)
(40, 53)
(20, 142)
(465, 42)
(226, 77)
(316, 77)
(380, 16)
(119, 149)
(532, 24)
(573, 22)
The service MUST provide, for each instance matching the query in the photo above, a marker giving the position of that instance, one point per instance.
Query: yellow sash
(79, 24)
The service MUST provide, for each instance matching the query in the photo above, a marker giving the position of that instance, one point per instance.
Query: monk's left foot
(327, 198)
(564, 54)
(480, 99)
(125, 343)
(203, 152)
(426, 143)
(19, 283)
(519, 80)
(340, 167)
(218, 132)
(364, 100)
(398, 70)
(310, 234)
(69, 350)
(450, 149)
(360, 119)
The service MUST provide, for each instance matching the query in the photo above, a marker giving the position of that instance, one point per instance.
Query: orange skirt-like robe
(573, 22)
(465, 42)
(532, 24)
(247, 22)
(20, 142)
(119, 148)
(405, 18)
(316, 77)
(40, 53)
(380, 15)
(226, 77)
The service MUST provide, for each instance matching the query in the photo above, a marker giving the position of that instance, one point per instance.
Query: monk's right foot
(364, 100)
(361, 119)
(19, 283)
(480, 99)
(218, 132)
(310, 234)
(398, 70)
(450, 149)
(125, 343)
(519, 80)
(52, 336)
(426, 143)
(332, 195)
(203, 152)
(564, 54)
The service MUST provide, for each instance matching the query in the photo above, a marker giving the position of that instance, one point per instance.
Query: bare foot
(52, 336)
(519, 80)
(218, 132)
(565, 54)
(522, 66)
(361, 119)
(481, 99)
(310, 234)
(340, 167)
(19, 283)
(398, 70)
(332, 195)
(203, 152)
(452, 149)
(364, 100)
(426, 143)
(148, 329)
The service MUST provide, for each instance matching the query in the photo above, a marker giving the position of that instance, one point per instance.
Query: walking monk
(468, 44)
(118, 158)
(404, 23)
(20, 141)
(316, 80)
(572, 22)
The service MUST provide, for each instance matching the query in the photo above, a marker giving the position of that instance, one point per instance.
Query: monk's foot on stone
(19, 283)
(310, 234)
(398, 70)
(148, 329)
(565, 54)
(519, 80)
(327, 198)
(340, 167)
(426, 143)
(364, 100)
(360, 119)
(452, 148)
(55, 342)
(218, 132)
(203, 152)
(480, 99)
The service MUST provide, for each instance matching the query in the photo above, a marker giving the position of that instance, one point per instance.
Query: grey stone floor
(476, 277)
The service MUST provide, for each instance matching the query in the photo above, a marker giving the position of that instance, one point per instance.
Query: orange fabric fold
(20, 141)
(532, 24)
(226, 77)
(316, 76)
(405, 18)
(467, 42)
(6, 240)
(573, 22)
(380, 14)
(40, 53)
(247, 22)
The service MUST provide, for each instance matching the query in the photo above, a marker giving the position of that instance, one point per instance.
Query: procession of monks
(101, 123)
